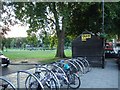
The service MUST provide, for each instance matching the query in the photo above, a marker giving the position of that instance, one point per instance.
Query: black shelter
(91, 46)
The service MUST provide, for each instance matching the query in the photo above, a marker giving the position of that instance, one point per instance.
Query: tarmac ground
(96, 78)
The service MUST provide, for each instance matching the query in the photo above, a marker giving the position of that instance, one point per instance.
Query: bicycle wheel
(6, 85)
(79, 67)
(51, 84)
(32, 84)
(52, 75)
(61, 75)
(74, 81)
(45, 78)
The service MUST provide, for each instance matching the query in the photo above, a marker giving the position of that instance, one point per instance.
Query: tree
(40, 15)
(7, 19)
(32, 39)
(88, 16)
(115, 20)
(64, 18)
(3, 31)
(53, 41)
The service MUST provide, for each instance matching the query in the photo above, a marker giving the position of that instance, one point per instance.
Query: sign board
(84, 37)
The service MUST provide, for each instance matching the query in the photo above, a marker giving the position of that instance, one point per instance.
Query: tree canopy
(67, 19)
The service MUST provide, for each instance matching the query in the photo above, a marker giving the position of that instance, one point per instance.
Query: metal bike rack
(53, 75)
(64, 74)
(73, 65)
(4, 79)
(59, 68)
(79, 66)
(22, 71)
(82, 65)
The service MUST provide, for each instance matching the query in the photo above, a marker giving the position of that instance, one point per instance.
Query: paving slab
(101, 78)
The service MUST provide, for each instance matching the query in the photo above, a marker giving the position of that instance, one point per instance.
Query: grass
(46, 56)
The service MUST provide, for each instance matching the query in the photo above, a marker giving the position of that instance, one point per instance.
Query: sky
(17, 31)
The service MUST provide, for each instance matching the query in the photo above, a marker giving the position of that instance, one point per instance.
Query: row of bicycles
(57, 75)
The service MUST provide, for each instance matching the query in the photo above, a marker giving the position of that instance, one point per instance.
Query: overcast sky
(17, 31)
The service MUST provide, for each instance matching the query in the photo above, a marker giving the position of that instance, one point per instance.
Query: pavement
(102, 78)
(96, 78)
(14, 68)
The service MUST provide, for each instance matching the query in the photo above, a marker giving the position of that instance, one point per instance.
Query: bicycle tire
(79, 67)
(74, 81)
(61, 75)
(29, 87)
(49, 85)
(8, 83)
(33, 83)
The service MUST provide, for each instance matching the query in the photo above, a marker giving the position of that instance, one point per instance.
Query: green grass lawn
(39, 55)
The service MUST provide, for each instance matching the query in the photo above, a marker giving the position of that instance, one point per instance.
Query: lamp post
(103, 31)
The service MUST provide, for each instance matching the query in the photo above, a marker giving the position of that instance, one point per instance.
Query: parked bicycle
(53, 76)
(61, 75)
(73, 78)
(80, 69)
(48, 79)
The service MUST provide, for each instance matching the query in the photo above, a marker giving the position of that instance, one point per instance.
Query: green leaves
(74, 17)
(103, 35)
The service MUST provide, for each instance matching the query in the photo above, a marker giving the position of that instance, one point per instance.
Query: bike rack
(85, 59)
(80, 67)
(59, 68)
(52, 74)
(64, 74)
(56, 66)
(73, 65)
(23, 71)
(4, 79)
(72, 62)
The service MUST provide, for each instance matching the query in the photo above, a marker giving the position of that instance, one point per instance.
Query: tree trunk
(60, 48)
(118, 38)
(60, 34)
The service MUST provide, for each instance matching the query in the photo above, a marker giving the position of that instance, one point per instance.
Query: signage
(84, 37)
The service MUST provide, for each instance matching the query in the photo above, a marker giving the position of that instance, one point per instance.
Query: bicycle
(73, 78)
(61, 75)
(47, 78)
(79, 67)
